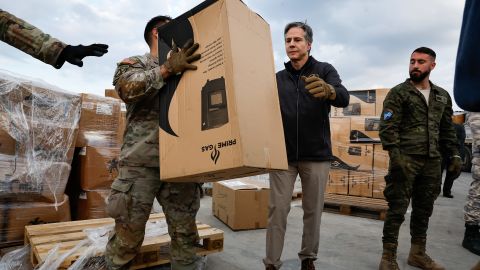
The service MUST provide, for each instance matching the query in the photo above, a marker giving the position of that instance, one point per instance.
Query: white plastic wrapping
(42, 122)
(18, 259)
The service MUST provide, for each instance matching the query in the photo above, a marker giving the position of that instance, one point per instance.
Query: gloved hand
(180, 60)
(75, 54)
(455, 166)
(398, 165)
(319, 88)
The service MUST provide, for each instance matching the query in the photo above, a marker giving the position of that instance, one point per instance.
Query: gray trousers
(314, 176)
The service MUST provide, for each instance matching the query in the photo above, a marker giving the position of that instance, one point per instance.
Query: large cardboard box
(355, 157)
(91, 204)
(99, 121)
(360, 183)
(24, 180)
(380, 169)
(362, 102)
(223, 120)
(337, 182)
(14, 216)
(340, 130)
(7, 143)
(364, 129)
(241, 203)
(98, 166)
(380, 97)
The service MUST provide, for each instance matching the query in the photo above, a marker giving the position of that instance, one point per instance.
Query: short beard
(418, 78)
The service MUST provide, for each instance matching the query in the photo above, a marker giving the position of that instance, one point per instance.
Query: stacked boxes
(359, 163)
(38, 127)
(96, 163)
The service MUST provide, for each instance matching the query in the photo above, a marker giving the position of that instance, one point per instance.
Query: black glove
(75, 54)
(180, 60)
(455, 166)
(398, 165)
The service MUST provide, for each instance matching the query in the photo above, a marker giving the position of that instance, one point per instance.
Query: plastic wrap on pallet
(14, 216)
(100, 121)
(89, 249)
(42, 122)
(18, 259)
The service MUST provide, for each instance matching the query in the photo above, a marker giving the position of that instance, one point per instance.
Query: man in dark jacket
(307, 88)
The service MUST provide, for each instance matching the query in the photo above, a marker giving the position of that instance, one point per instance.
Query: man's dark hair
(308, 30)
(154, 22)
(426, 50)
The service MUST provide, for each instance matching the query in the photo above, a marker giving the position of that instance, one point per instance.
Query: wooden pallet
(356, 206)
(154, 250)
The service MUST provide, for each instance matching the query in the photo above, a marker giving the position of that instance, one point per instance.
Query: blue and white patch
(387, 115)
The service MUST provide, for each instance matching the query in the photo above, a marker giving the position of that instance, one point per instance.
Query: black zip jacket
(305, 118)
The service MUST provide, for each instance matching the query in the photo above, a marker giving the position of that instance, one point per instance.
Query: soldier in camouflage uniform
(416, 121)
(45, 48)
(471, 240)
(138, 80)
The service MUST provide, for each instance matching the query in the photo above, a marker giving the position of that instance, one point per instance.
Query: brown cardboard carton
(223, 120)
(7, 143)
(91, 204)
(99, 121)
(337, 181)
(381, 94)
(354, 157)
(98, 166)
(23, 180)
(380, 169)
(360, 183)
(241, 203)
(364, 129)
(362, 102)
(14, 216)
(111, 93)
(340, 130)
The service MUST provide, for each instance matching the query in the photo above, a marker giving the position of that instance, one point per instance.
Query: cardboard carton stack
(98, 149)
(359, 163)
(38, 127)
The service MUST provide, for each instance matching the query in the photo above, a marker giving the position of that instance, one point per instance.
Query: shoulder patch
(387, 114)
(441, 99)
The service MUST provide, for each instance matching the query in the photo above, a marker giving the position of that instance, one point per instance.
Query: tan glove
(180, 60)
(319, 88)
(455, 166)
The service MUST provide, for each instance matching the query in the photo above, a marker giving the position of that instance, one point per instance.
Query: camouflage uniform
(472, 207)
(29, 39)
(138, 82)
(418, 131)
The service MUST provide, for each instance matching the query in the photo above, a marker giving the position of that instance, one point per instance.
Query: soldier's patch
(387, 115)
(441, 99)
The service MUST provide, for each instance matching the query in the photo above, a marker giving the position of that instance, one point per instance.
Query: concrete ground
(348, 242)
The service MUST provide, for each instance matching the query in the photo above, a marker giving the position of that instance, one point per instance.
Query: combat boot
(389, 257)
(420, 259)
(471, 240)
(307, 264)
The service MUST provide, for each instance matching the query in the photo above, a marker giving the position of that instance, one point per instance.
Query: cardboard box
(340, 130)
(364, 129)
(98, 166)
(381, 94)
(111, 93)
(337, 182)
(91, 204)
(360, 183)
(241, 203)
(380, 169)
(379, 185)
(14, 216)
(223, 120)
(21, 180)
(99, 121)
(7, 143)
(354, 157)
(362, 102)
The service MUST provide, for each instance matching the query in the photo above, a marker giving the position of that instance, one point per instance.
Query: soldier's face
(296, 45)
(421, 65)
